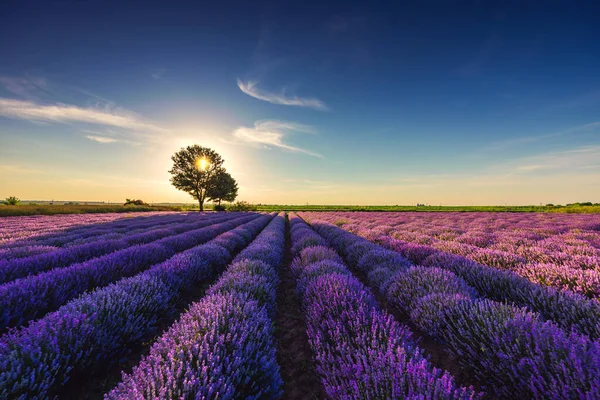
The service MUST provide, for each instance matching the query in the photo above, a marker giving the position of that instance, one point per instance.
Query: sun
(202, 164)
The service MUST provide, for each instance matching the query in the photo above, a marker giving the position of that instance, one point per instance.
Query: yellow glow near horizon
(202, 164)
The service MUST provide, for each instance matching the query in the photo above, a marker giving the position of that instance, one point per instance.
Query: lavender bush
(360, 351)
(508, 350)
(223, 346)
(28, 298)
(18, 268)
(94, 329)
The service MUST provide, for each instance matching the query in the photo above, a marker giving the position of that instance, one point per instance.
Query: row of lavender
(105, 230)
(29, 298)
(568, 309)
(223, 346)
(507, 350)
(535, 237)
(360, 351)
(90, 244)
(22, 228)
(560, 252)
(89, 333)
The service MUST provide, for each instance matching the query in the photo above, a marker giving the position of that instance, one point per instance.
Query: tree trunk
(219, 202)
(201, 204)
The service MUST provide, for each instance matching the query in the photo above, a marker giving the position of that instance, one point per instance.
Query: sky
(435, 102)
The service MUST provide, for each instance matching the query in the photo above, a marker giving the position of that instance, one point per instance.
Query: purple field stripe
(223, 346)
(508, 349)
(88, 231)
(92, 232)
(63, 257)
(506, 243)
(24, 251)
(578, 273)
(26, 299)
(179, 226)
(16, 228)
(96, 328)
(360, 351)
(569, 310)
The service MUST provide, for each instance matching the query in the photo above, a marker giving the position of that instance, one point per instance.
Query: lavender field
(338, 305)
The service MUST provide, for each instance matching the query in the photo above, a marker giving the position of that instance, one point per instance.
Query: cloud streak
(507, 144)
(24, 87)
(569, 160)
(158, 73)
(65, 113)
(101, 139)
(272, 133)
(251, 89)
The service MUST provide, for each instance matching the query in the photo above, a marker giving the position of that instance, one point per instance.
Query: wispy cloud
(509, 143)
(272, 133)
(158, 73)
(65, 113)
(101, 139)
(24, 86)
(568, 161)
(579, 162)
(251, 89)
(109, 135)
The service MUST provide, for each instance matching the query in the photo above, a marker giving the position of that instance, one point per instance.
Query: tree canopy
(13, 201)
(135, 202)
(222, 187)
(199, 172)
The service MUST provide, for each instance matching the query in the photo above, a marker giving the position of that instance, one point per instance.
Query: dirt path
(294, 354)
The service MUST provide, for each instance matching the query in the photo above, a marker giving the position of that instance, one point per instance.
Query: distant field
(46, 209)
(556, 209)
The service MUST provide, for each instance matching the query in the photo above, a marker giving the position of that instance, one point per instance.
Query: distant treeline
(569, 208)
(131, 205)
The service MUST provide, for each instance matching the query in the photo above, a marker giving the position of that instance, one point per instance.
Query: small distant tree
(222, 187)
(135, 202)
(194, 168)
(12, 201)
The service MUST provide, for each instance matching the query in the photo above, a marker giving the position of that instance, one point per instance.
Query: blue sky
(430, 102)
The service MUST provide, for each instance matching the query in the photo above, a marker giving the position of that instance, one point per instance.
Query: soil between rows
(294, 354)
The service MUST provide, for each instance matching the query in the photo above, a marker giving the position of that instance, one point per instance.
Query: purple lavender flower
(97, 327)
(407, 288)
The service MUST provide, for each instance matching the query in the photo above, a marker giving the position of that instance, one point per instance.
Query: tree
(12, 201)
(194, 167)
(222, 187)
(134, 202)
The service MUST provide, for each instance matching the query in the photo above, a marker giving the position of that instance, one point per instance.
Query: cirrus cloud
(251, 89)
(65, 113)
(272, 133)
(101, 139)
